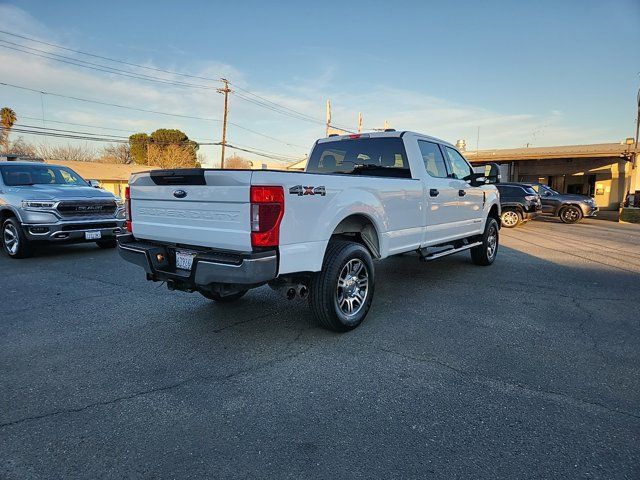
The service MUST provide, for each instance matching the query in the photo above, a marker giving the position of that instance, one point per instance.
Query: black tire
(483, 254)
(349, 264)
(510, 218)
(14, 241)
(107, 243)
(216, 297)
(570, 214)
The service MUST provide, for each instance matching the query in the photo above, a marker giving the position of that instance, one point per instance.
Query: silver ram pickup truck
(41, 203)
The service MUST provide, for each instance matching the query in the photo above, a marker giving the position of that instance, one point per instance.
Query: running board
(451, 251)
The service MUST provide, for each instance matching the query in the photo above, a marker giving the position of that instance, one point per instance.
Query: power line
(48, 120)
(80, 52)
(95, 137)
(156, 112)
(97, 67)
(256, 100)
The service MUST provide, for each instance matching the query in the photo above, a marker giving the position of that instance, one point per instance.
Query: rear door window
(433, 159)
(375, 157)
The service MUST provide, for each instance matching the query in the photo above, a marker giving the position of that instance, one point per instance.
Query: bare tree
(116, 153)
(21, 147)
(237, 162)
(75, 153)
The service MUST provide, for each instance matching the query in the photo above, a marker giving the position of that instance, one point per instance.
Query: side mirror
(94, 183)
(477, 179)
(492, 173)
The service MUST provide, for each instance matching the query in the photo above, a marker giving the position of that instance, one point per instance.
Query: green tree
(139, 142)
(7, 119)
(164, 137)
(166, 148)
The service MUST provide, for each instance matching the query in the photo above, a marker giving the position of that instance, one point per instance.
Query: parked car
(571, 208)
(314, 233)
(519, 202)
(42, 203)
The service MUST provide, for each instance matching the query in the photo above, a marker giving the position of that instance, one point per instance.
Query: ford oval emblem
(179, 193)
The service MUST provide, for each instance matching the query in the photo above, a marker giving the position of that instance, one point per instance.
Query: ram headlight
(38, 204)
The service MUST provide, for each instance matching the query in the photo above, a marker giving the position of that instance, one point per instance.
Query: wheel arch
(494, 212)
(7, 213)
(360, 228)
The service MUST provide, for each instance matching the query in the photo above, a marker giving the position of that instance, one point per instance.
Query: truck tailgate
(207, 208)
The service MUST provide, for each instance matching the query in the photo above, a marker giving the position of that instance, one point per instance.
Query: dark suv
(519, 203)
(571, 208)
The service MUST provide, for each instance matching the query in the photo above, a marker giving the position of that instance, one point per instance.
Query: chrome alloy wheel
(492, 241)
(570, 214)
(10, 238)
(510, 218)
(353, 287)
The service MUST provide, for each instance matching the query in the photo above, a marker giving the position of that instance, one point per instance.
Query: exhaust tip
(303, 292)
(291, 293)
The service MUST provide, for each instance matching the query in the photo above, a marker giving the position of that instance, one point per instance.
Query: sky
(497, 74)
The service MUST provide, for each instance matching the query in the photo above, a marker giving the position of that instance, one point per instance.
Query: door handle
(461, 193)
(434, 192)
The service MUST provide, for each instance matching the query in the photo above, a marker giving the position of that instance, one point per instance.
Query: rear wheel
(14, 242)
(216, 297)
(340, 294)
(485, 253)
(570, 214)
(510, 218)
(107, 243)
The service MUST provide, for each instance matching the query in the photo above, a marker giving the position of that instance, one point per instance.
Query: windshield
(376, 157)
(16, 175)
(548, 189)
(541, 189)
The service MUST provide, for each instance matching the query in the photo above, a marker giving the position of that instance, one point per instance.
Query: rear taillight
(267, 209)
(127, 210)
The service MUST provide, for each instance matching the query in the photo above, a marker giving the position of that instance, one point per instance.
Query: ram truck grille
(82, 208)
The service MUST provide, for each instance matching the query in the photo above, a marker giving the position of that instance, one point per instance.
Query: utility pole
(226, 92)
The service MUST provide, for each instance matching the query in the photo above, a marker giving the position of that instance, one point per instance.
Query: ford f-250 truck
(316, 233)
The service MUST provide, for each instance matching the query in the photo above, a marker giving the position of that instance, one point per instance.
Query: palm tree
(7, 119)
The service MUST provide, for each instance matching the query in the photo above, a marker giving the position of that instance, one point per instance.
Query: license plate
(184, 260)
(93, 235)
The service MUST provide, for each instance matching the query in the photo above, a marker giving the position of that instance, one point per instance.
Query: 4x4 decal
(301, 190)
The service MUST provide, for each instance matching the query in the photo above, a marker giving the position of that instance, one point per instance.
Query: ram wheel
(485, 253)
(340, 294)
(510, 218)
(14, 242)
(570, 214)
(216, 297)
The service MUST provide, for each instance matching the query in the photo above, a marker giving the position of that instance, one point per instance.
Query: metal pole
(226, 92)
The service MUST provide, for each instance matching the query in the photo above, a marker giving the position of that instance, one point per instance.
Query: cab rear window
(374, 157)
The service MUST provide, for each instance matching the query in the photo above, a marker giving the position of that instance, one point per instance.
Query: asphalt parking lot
(526, 369)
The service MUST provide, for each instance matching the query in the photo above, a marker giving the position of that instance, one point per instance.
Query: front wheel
(14, 241)
(340, 294)
(510, 218)
(570, 214)
(485, 253)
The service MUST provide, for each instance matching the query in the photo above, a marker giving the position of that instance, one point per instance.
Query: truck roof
(388, 133)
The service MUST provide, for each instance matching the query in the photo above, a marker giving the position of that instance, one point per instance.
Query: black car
(571, 208)
(519, 203)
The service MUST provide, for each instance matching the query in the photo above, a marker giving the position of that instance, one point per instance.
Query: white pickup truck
(316, 233)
